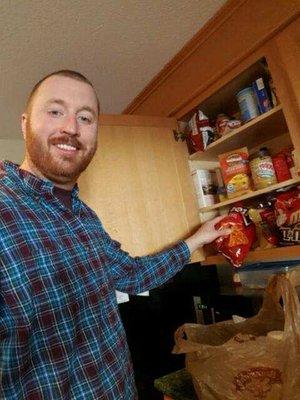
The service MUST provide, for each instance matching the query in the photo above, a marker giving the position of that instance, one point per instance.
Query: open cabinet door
(139, 184)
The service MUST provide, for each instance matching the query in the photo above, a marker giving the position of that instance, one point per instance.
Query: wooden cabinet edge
(197, 256)
(251, 194)
(274, 254)
(137, 120)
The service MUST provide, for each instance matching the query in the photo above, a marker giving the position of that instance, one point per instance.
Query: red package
(201, 133)
(281, 167)
(269, 227)
(289, 156)
(287, 208)
(237, 245)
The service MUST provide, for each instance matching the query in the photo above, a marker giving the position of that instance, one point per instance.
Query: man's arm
(138, 274)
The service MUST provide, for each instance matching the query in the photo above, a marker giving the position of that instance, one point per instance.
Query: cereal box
(236, 172)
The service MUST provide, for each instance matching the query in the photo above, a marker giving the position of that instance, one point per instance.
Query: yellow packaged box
(236, 172)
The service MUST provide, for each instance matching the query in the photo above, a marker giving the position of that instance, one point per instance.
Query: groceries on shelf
(272, 221)
(202, 130)
(275, 215)
(262, 220)
(240, 174)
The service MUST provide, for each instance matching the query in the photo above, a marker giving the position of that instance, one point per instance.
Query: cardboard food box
(236, 172)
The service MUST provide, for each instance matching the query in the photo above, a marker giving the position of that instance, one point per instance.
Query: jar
(262, 169)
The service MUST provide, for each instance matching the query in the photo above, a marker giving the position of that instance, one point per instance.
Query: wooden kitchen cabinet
(283, 53)
(139, 181)
(139, 184)
(276, 129)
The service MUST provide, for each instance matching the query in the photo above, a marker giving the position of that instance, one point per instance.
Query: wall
(12, 149)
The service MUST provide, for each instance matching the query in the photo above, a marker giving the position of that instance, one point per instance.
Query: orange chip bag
(237, 237)
(236, 246)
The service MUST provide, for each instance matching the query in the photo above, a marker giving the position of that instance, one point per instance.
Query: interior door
(139, 184)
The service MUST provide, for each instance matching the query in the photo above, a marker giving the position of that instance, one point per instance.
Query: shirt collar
(31, 182)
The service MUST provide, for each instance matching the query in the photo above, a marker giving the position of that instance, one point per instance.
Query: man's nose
(70, 125)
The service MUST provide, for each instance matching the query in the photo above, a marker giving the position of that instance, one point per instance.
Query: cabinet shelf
(274, 254)
(252, 194)
(259, 130)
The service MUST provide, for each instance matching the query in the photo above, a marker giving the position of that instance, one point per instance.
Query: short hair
(64, 72)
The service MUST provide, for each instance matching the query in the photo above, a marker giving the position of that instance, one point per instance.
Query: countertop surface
(178, 385)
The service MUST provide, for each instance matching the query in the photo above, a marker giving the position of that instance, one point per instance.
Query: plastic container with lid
(256, 276)
(262, 169)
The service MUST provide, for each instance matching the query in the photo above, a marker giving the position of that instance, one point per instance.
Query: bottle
(262, 169)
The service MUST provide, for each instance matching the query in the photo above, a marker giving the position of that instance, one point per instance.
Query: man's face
(61, 128)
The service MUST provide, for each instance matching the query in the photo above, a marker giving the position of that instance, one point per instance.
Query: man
(61, 336)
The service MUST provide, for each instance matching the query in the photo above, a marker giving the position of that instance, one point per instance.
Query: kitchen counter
(178, 385)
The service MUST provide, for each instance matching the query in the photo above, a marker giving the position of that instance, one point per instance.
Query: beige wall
(12, 150)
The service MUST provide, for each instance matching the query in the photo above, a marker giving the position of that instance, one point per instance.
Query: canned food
(248, 104)
(262, 169)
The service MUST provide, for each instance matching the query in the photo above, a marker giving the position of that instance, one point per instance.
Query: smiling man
(61, 336)
(60, 129)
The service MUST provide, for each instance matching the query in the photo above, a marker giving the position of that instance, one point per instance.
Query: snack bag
(287, 209)
(202, 134)
(268, 224)
(207, 132)
(237, 245)
(225, 125)
(263, 216)
(236, 172)
(195, 136)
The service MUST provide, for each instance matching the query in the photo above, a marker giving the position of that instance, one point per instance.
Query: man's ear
(24, 124)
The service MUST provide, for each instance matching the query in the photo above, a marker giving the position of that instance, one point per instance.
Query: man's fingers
(217, 219)
(225, 232)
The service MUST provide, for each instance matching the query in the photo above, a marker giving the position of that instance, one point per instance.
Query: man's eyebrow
(88, 108)
(63, 103)
(57, 101)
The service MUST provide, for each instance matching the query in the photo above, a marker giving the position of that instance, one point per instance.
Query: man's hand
(206, 234)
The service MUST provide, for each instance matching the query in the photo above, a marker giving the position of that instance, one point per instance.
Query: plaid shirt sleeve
(134, 275)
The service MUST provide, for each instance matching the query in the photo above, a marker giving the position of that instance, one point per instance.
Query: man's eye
(85, 119)
(55, 113)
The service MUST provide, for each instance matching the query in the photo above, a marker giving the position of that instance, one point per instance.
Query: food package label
(236, 172)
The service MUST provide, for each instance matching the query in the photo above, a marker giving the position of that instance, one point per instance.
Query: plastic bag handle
(291, 306)
(291, 339)
(182, 345)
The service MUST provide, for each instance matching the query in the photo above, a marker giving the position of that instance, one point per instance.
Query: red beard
(58, 169)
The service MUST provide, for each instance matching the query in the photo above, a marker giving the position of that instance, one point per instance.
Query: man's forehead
(63, 87)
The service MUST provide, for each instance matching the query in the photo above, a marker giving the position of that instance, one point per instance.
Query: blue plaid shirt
(61, 335)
